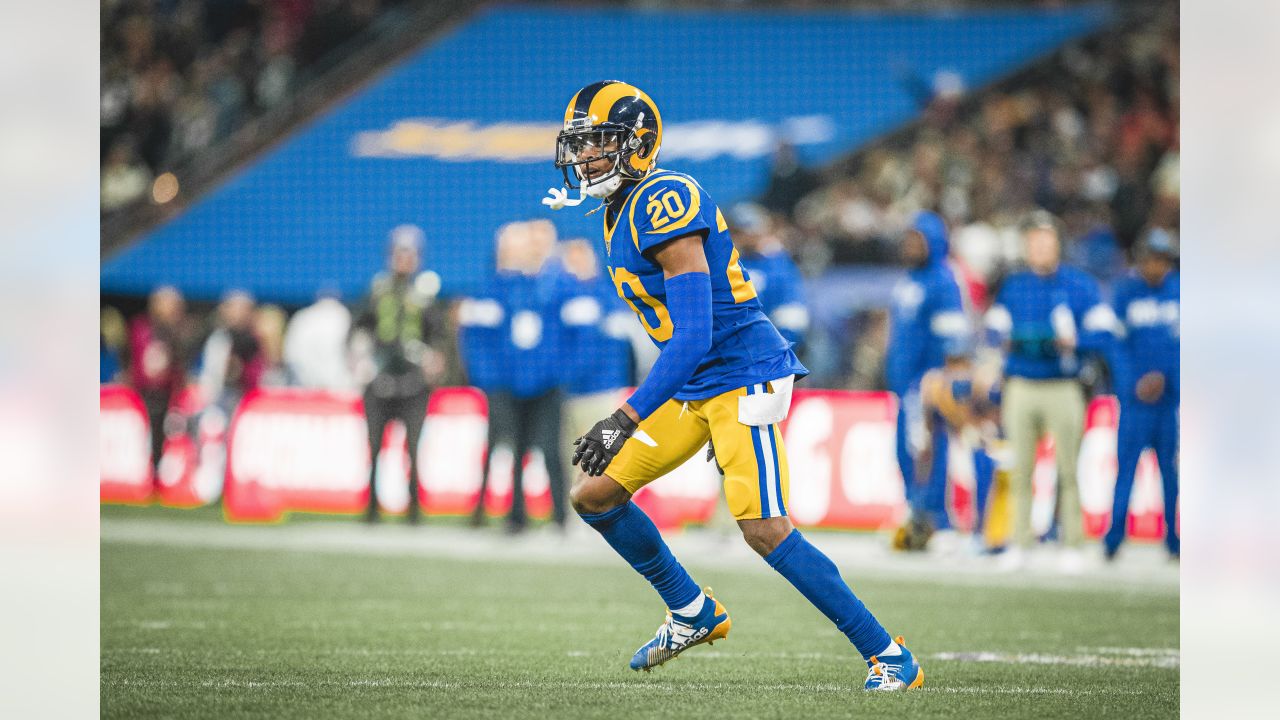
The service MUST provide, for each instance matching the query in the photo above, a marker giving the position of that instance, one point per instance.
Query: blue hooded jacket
(927, 319)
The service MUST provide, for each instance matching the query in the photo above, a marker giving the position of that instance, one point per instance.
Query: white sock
(890, 651)
(693, 608)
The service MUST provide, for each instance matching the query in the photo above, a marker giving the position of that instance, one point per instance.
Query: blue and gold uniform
(747, 351)
(724, 374)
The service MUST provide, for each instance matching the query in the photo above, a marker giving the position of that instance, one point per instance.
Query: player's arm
(688, 290)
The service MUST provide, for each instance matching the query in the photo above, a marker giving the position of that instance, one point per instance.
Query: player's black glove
(596, 449)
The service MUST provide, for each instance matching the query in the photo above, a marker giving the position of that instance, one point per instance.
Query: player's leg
(1022, 429)
(377, 415)
(984, 475)
(413, 413)
(1166, 447)
(499, 434)
(525, 420)
(933, 496)
(757, 483)
(906, 462)
(604, 501)
(1132, 436)
(546, 437)
(1065, 418)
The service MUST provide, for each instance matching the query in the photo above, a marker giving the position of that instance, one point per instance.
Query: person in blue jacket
(928, 330)
(777, 280)
(1145, 370)
(517, 355)
(1047, 318)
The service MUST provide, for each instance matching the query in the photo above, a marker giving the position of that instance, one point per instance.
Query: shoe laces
(674, 633)
(886, 673)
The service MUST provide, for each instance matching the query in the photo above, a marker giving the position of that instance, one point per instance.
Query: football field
(326, 618)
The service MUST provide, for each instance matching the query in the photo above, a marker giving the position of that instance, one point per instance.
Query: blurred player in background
(773, 273)
(1046, 317)
(1146, 369)
(724, 374)
(593, 318)
(396, 324)
(928, 330)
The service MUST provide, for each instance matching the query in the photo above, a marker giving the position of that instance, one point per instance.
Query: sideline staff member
(396, 321)
(1047, 316)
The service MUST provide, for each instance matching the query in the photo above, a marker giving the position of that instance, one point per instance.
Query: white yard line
(1167, 658)
(1159, 659)
(637, 684)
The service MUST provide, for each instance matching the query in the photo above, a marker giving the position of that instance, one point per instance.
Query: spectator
(159, 350)
(268, 326)
(124, 177)
(232, 363)
(871, 333)
(1148, 381)
(398, 321)
(1046, 317)
(789, 181)
(113, 335)
(315, 344)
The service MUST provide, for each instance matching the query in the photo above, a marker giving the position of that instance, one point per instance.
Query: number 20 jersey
(746, 348)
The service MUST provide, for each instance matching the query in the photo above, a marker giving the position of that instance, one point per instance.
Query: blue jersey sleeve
(668, 208)
(1096, 319)
(947, 319)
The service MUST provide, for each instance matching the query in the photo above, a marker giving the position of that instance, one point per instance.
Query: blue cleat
(678, 634)
(899, 672)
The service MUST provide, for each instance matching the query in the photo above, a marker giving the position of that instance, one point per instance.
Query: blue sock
(818, 579)
(634, 536)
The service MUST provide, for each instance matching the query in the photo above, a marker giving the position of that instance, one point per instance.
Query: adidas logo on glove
(609, 436)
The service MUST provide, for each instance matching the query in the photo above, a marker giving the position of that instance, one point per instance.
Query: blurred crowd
(180, 76)
(1091, 135)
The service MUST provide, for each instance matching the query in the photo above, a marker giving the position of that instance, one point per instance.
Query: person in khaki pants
(1048, 316)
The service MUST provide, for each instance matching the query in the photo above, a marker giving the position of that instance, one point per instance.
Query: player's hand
(595, 450)
(1150, 387)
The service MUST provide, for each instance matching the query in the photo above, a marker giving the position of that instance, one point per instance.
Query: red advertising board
(124, 447)
(305, 450)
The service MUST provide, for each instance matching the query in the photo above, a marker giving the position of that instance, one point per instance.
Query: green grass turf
(197, 632)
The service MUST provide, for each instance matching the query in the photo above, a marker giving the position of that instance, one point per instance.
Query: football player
(928, 330)
(724, 374)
